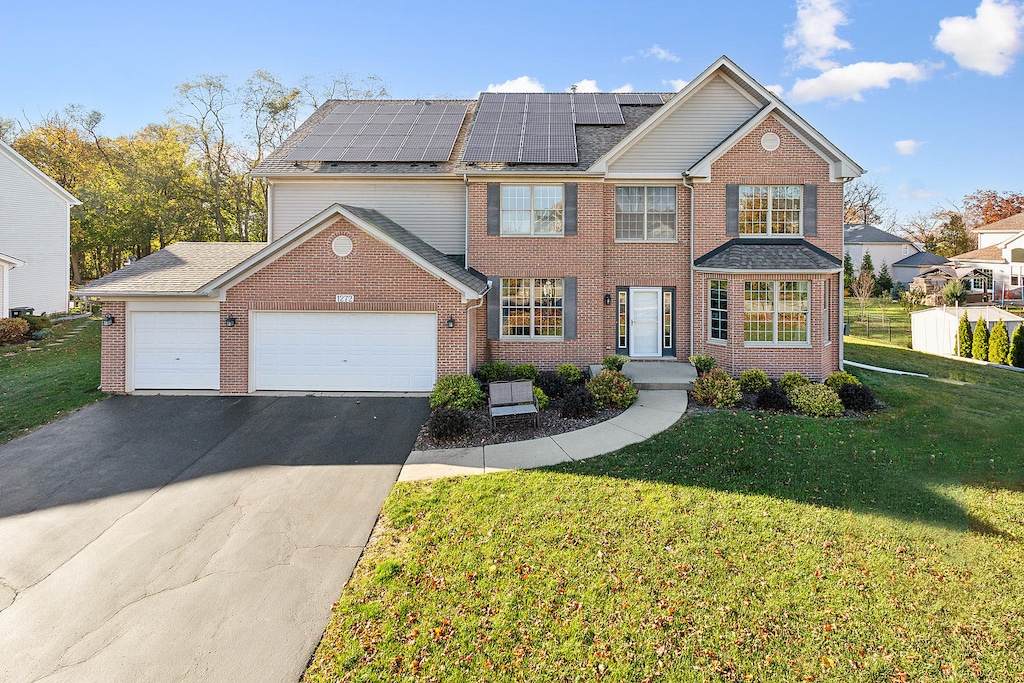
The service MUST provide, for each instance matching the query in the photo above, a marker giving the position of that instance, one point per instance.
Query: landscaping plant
(716, 388)
(37, 322)
(816, 400)
(551, 383)
(839, 379)
(612, 389)
(1017, 347)
(998, 343)
(954, 293)
(773, 397)
(753, 381)
(858, 397)
(964, 336)
(525, 371)
(792, 380)
(578, 403)
(447, 424)
(979, 349)
(542, 398)
(13, 330)
(493, 371)
(461, 392)
(569, 373)
(703, 363)
(614, 362)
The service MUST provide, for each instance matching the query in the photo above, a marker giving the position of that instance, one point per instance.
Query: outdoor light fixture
(607, 299)
(109, 320)
(229, 321)
(451, 322)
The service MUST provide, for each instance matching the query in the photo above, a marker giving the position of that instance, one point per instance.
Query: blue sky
(953, 68)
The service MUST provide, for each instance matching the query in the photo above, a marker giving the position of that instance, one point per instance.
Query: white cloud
(676, 83)
(776, 90)
(521, 84)
(847, 82)
(813, 38)
(586, 85)
(628, 87)
(658, 52)
(907, 147)
(987, 42)
(908, 193)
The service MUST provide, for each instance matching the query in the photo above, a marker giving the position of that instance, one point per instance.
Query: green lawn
(37, 387)
(736, 546)
(882, 319)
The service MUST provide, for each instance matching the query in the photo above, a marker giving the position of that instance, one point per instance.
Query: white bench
(512, 399)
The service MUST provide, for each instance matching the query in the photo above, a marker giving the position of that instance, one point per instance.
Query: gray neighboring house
(904, 258)
(914, 265)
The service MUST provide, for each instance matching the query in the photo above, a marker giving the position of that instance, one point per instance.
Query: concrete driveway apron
(189, 538)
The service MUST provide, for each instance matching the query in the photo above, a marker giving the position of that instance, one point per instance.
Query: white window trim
(711, 339)
(775, 320)
(906, 249)
(769, 232)
(531, 337)
(532, 233)
(826, 312)
(659, 240)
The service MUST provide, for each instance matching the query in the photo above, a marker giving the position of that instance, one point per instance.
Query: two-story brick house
(412, 239)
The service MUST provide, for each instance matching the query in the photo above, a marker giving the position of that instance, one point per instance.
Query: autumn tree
(989, 206)
(952, 236)
(863, 288)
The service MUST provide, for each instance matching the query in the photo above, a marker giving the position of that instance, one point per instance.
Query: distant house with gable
(904, 258)
(1000, 257)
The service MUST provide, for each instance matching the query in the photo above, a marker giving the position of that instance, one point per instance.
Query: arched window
(1017, 255)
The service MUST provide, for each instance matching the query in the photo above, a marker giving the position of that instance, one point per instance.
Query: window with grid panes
(770, 209)
(623, 319)
(645, 213)
(719, 295)
(531, 307)
(531, 209)
(776, 312)
(666, 319)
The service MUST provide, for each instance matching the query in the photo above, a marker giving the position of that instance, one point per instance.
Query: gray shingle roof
(179, 268)
(922, 258)
(473, 280)
(869, 234)
(768, 254)
(992, 254)
(1014, 223)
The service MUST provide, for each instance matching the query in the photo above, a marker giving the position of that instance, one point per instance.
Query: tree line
(186, 178)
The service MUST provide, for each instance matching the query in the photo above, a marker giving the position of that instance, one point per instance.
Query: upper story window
(906, 249)
(1017, 255)
(645, 213)
(770, 209)
(531, 209)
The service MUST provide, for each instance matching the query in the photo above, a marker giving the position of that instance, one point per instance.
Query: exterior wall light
(607, 299)
(109, 320)
(451, 322)
(229, 321)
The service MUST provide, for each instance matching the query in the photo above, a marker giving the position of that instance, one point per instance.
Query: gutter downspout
(483, 298)
(465, 181)
(842, 294)
(690, 188)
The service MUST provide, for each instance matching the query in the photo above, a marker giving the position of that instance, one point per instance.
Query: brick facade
(113, 353)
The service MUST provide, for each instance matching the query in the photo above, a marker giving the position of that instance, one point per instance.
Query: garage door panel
(304, 351)
(176, 350)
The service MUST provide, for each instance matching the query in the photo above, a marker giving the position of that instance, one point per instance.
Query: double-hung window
(719, 306)
(776, 313)
(770, 209)
(531, 308)
(531, 209)
(645, 214)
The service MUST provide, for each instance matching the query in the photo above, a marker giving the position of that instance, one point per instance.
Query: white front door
(645, 322)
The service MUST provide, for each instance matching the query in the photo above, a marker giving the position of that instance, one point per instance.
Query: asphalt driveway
(158, 538)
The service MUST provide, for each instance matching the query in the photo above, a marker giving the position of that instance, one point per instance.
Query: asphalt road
(154, 538)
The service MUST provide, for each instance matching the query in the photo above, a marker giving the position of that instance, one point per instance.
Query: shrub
(551, 383)
(13, 330)
(525, 371)
(614, 362)
(716, 388)
(752, 381)
(998, 343)
(578, 402)
(979, 349)
(40, 335)
(493, 371)
(965, 338)
(704, 364)
(840, 379)
(954, 293)
(447, 424)
(37, 322)
(542, 398)
(612, 389)
(773, 397)
(461, 392)
(569, 373)
(858, 397)
(793, 380)
(1017, 347)
(816, 400)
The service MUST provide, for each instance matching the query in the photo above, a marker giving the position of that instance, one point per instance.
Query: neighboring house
(1000, 257)
(934, 330)
(35, 229)
(900, 255)
(933, 280)
(7, 264)
(412, 239)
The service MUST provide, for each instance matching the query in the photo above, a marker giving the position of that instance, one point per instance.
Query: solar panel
(384, 131)
(597, 109)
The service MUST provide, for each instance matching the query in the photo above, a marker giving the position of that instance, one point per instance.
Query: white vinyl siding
(34, 228)
(434, 211)
(680, 140)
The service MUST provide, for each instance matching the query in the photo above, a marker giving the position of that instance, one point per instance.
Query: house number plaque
(344, 298)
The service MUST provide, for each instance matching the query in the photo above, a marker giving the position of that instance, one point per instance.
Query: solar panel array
(540, 128)
(384, 131)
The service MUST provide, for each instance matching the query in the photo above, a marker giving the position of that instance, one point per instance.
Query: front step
(657, 375)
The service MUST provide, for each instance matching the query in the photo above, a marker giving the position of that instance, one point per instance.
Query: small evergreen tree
(847, 272)
(866, 266)
(965, 338)
(979, 349)
(884, 283)
(998, 343)
(954, 293)
(1017, 347)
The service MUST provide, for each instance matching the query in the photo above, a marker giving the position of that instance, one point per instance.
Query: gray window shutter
(810, 210)
(569, 218)
(732, 210)
(493, 209)
(569, 308)
(494, 310)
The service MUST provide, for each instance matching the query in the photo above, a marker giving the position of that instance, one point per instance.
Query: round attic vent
(770, 142)
(342, 245)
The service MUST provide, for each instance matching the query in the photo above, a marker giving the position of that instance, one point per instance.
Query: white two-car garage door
(175, 349)
(307, 351)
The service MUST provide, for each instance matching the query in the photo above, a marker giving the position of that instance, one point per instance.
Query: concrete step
(658, 375)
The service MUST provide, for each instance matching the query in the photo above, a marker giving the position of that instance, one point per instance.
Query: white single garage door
(175, 350)
(344, 351)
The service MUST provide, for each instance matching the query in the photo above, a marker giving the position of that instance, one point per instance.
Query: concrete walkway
(653, 412)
